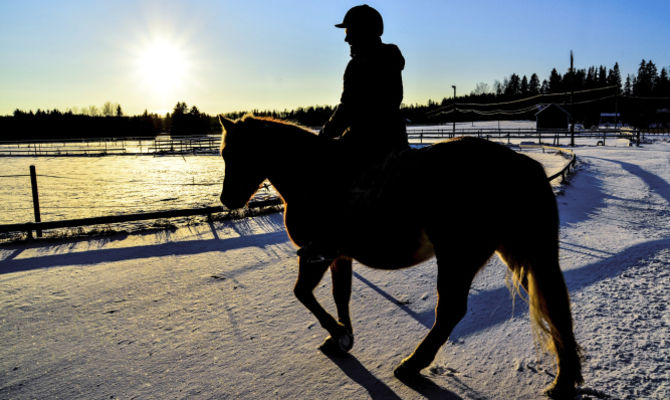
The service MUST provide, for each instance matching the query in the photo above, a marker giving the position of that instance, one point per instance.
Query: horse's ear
(226, 124)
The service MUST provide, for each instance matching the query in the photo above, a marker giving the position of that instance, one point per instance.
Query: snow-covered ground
(207, 311)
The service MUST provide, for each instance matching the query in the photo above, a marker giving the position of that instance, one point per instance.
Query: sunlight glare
(162, 67)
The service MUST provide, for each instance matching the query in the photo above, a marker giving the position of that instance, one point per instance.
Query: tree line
(640, 100)
(585, 93)
(91, 122)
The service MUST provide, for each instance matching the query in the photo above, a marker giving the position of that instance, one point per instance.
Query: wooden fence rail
(566, 169)
(28, 227)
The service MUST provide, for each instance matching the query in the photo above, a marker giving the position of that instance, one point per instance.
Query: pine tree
(544, 89)
(614, 76)
(642, 84)
(534, 84)
(652, 75)
(591, 78)
(602, 76)
(524, 86)
(555, 82)
(628, 86)
(513, 86)
(663, 89)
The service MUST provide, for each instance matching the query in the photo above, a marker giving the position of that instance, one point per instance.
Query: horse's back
(467, 171)
(501, 193)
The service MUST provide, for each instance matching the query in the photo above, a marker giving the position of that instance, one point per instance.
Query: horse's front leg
(341, 273)
(309, 276)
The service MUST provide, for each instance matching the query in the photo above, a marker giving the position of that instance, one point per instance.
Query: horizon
(239, 56)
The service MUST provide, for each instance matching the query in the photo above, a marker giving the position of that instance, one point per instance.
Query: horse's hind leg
(453, 285)
(550, 311)
(309, 276)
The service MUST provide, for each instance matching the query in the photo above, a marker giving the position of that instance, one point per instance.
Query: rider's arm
(337, 123)
(343, 115)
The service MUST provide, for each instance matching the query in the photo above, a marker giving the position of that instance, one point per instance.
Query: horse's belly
(394, 251)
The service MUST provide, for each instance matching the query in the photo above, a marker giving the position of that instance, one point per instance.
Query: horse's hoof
(560, 392)
(405, 373)
(346, 342)
(337, 347)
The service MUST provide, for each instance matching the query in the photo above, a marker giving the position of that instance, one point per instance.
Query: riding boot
(317, 252)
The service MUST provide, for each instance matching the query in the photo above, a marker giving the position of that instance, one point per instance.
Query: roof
(547, 106)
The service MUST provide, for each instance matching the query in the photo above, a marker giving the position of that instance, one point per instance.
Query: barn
(552, 116)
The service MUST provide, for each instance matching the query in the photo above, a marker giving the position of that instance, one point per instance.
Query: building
(663, 118)
(552, 116)
(609, 120)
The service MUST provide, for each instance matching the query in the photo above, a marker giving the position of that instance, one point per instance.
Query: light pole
(453, 117)
(572, 101)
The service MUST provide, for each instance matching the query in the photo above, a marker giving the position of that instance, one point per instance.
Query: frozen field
(208, 311)
(78, 187)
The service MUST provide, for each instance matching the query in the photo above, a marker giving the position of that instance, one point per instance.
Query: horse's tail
(531, 252)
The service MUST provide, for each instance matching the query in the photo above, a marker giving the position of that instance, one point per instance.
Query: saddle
(367, 189)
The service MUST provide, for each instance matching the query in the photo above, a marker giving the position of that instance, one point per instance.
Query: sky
(230, 55)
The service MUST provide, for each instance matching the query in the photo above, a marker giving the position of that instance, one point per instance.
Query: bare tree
(481, 88)
(107, 109)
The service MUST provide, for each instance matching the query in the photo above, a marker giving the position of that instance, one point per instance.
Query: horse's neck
(297, 165)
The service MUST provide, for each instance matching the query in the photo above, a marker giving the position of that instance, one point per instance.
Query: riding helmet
(363, 18)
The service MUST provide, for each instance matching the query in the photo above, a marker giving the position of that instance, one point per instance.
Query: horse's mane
(273, 134)
(253, 120)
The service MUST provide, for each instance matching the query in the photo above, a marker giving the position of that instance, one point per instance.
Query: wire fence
(267, 198)
(107, 146)
(211, 144)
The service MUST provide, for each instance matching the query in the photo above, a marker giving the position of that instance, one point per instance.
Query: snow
(207, 311)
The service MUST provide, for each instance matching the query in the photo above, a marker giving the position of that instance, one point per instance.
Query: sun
(162, 67)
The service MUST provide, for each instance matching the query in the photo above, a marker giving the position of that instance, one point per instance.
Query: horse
(462, 200)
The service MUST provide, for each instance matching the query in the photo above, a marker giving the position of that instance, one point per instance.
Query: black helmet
(363, 18)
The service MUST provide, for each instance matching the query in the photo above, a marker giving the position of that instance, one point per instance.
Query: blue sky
(241, 55)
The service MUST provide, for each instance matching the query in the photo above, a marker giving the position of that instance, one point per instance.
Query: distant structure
(663, 118)
(609, 120)
(551, 116)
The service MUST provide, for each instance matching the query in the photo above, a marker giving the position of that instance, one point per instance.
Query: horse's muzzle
(232, 203)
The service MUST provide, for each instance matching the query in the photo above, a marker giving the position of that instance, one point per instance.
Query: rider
(368, 119)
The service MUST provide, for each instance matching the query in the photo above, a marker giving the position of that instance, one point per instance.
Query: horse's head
(242, 173)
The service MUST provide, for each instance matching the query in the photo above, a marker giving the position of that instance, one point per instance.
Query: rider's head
(363, 24)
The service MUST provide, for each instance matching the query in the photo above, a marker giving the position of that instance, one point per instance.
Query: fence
(211, 144)
(566, 169)
(38, 226)
(111, 146)
(554, 136)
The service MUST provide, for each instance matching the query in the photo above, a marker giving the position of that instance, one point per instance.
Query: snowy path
(208, 311)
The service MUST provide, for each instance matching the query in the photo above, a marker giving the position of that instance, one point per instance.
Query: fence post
(637, 140)
(36, 200)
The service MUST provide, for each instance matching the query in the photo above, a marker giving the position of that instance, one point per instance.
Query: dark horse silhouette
(461, 200)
